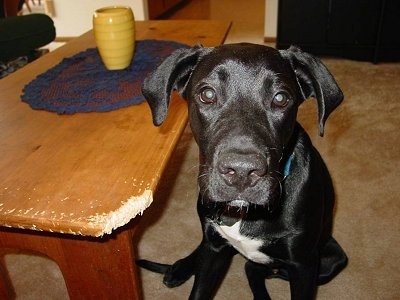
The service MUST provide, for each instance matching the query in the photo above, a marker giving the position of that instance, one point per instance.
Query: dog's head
(243, 101)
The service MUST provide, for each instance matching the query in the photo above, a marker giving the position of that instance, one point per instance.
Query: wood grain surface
(87, 173)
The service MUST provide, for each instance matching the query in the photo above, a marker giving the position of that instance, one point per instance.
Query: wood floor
(247, 17)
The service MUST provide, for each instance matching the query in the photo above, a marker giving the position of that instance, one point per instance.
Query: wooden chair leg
(93, 268)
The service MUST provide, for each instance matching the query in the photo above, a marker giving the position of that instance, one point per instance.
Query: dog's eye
(281, 99)
(207, 96)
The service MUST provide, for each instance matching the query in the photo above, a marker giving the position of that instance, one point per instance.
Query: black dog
(264, 189)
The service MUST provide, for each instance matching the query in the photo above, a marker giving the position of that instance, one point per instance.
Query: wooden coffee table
(71, 185)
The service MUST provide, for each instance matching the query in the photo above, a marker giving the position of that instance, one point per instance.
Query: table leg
(6, 289)
(93, 268)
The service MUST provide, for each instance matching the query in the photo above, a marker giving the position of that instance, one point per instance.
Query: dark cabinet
(357, 29)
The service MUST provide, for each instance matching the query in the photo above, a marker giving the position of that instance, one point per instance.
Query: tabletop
(87, 173)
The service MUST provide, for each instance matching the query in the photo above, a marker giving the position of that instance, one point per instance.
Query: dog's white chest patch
(246, 246)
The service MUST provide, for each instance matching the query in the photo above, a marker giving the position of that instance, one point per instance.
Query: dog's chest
(248, 247)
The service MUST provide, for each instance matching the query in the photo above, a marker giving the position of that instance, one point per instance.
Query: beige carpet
(361, 148)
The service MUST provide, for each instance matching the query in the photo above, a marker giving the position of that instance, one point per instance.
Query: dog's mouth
(230, 212)
(241, 207)
(265, 195)
(240, 204)
(237, 208)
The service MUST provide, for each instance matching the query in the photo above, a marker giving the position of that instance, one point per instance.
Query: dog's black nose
(241, 170)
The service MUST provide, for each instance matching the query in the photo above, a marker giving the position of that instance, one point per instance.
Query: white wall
(271, 19)
(74, 17)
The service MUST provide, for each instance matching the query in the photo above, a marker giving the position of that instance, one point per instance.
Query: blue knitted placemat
(81, 83)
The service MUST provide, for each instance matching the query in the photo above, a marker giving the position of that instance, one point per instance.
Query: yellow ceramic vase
(114, 32)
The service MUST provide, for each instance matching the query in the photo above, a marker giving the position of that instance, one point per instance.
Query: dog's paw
(178, 274)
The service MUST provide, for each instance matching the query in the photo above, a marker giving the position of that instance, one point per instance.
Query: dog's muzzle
(241, 180)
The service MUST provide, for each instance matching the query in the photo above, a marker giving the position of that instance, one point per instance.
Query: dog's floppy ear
(173, 73)
(316, 81)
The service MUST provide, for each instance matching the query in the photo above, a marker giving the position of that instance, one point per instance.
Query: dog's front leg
(256, 274)
(303, 280)
(211, 267)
